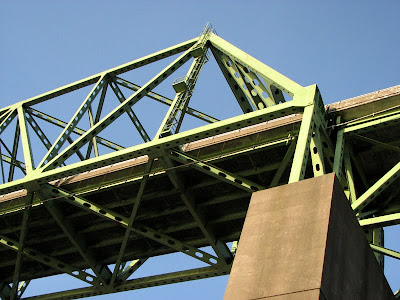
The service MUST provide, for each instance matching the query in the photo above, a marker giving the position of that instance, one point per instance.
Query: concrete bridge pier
(302, 241)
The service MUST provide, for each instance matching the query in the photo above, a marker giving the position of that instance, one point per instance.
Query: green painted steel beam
(39, 132)
(372, 122)
(132, 218)
(328, 147)
(348, 169)
(9, 117)
(302, 146)
(120, 96)
(339, 153)
(376, 188)
(237, 91)
(257, 88)
(214, 171)
(139, 283)
(378, 239)
(139, 229)
(94, 226)
(131, 179)
(166, 101)
(171, 230)
(235, 79)
(23, 285)
(17, 134)
(273, 77)
(62, 138)
(190, 202)
(234, 247)
(78, 241)
(283, 164)
(49, 261)
(18, 163)
(381, 221)
(317, 153)
(21, 243)
(76, 130)
(2, 158)
(219, 157)
(93, 142)
(357, 163)
(209, 130)
(252, 148)
(114, 71)
(114, 114)
(4, 114)
(385, 251)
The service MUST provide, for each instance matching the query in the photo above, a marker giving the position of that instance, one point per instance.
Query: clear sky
(347, 47)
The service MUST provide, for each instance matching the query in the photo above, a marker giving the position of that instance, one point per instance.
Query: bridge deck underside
(253, 153)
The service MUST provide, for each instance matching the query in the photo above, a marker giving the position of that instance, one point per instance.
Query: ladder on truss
(184, 86)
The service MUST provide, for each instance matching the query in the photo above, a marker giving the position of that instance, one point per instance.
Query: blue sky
(347, 47)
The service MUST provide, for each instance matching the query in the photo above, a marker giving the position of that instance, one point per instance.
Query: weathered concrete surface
(302, 241)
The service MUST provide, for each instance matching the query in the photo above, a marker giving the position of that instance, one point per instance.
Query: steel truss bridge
(81, 204)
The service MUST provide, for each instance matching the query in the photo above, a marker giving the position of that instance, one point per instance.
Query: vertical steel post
(302, 146)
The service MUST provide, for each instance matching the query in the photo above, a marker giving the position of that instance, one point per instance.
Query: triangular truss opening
(120, 97)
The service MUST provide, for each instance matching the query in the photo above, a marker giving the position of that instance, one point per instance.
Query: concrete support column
(303, 241)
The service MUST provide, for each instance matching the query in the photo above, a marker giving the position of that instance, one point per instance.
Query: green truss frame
(259, 91)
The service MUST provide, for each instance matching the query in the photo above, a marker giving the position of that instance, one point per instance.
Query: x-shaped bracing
(137, 228)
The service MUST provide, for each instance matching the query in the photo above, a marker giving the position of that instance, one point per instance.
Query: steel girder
(259, 91)
(369, 198)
